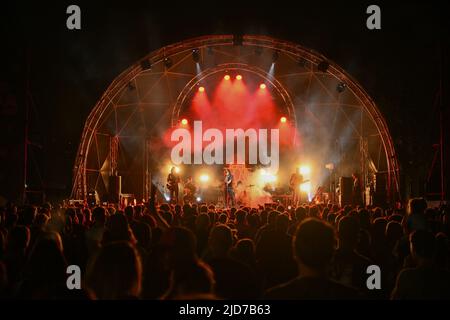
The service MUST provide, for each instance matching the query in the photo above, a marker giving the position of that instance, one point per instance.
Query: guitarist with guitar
(172, 184)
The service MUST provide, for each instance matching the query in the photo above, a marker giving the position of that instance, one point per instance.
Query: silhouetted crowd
(162, 251)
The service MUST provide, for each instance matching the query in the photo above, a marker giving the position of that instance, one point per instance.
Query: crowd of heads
(201, 251)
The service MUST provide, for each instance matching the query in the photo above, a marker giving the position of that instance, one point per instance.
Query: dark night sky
(399, 66)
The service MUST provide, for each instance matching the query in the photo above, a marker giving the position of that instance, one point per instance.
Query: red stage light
(283, 119)
(227, 77)
(238, 77)
(184, 122)
(262, 86)
(201, 89)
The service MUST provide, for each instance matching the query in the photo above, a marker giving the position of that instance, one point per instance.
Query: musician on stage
(294, 184)
(189, 190)
(229, 190)
(172, 184)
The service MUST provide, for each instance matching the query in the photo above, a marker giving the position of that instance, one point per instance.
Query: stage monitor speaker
(115, 188)
(345, 195)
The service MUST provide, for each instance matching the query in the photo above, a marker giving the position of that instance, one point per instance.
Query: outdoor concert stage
(184, 104)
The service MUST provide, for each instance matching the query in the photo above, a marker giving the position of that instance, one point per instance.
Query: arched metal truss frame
(216, 42)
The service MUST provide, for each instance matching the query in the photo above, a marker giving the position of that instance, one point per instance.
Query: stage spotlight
(146, 65)
(305, 170)
(262, 86)
(201, 89)
(238, 77)
(177, 169)
(184, 122)
(270, 178)
(131, 86)
(167, 198)
(198, 199)
(341, 87)
(168, 62)
(196, 55)
(275, 56)
(283, 119)
(227, 77)
(204, 178)
(323, 66)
